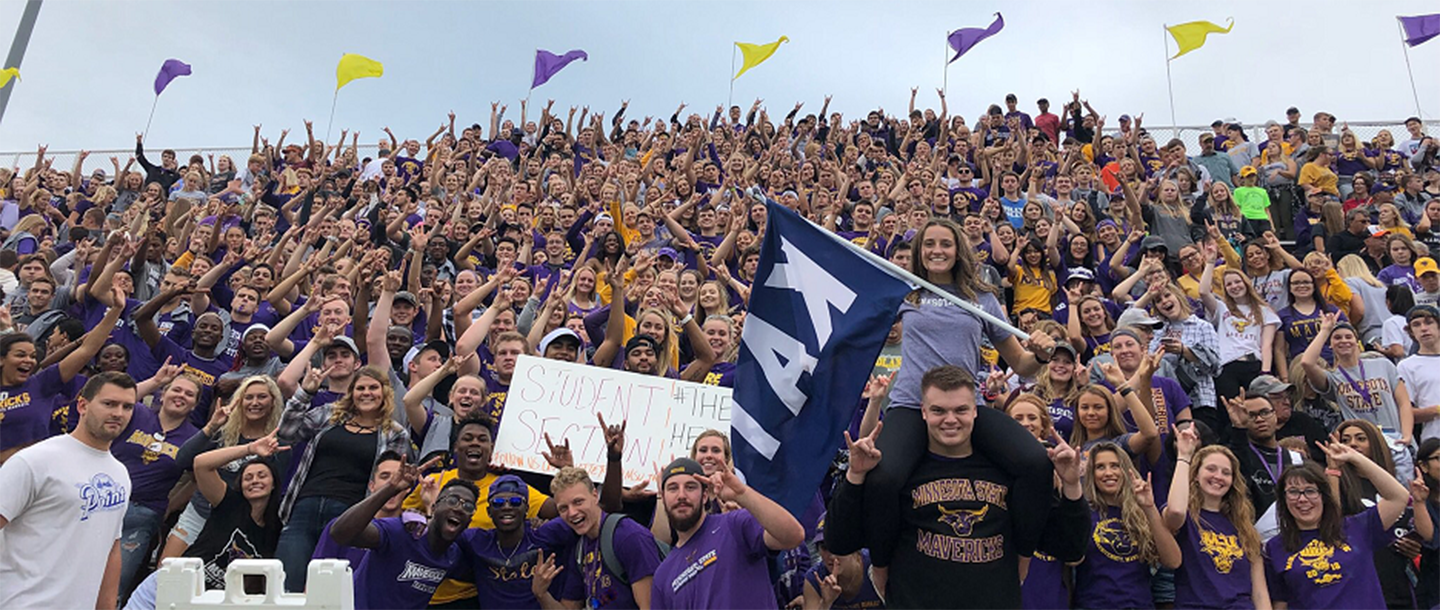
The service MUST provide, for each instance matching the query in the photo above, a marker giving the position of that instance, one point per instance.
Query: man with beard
(64, 506)
(470, 449)
(719, 561)
(402, 571)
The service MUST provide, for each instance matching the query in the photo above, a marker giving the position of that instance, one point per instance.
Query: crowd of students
(1226, 397)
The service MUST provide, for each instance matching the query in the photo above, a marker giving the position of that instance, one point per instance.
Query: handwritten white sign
(663, 416)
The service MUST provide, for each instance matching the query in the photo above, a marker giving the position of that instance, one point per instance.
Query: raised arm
(1315, 371)
(356, 526)
(93, 340)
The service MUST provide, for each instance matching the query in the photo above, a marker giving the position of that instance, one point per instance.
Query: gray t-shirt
(1375, 377)
(939, 332)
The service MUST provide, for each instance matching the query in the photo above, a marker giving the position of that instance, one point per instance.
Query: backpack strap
(607, 547)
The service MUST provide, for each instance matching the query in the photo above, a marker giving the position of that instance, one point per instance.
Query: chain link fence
(100, 159)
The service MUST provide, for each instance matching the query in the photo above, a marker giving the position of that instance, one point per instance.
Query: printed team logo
(1223, 550)
(1114, 542)
(1319, 560)
(421, 576)
(695, 567)
(962, 520)
(239, 547)
(101, 494)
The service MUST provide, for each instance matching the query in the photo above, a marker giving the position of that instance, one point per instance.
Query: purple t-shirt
(1044, 586)
(596, 585)
(25, 409)
(148, 452)
(1299, 329)
(1063, 416)
(327, 548)
(721, 374)
(1319, 575)
(722, 566)
(1112, 575)
(502, 578)
(402, 572)
(1215, 572)
(1399, 275)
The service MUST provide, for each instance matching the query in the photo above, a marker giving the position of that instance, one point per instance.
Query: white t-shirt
(1421, 374)
(1239, 335)
(65, 502)
(1393, 333)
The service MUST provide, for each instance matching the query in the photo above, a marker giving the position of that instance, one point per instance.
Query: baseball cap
(342, 341)
(1124, 118)
(1080, 274)
(254, 327)
(1248, 170)
(1064, 346)
(681, 466)
(1381, 187)
(1217, 123)
(1152, 242)
(1292, 110)
(1135, 316)
(558, 334)
(1266, 385)
(407, 296)
(641, 341)
(669, 252)
(1379, 231)
(1426, 265)
(440, 347)
(1422, 311)
(509, 484)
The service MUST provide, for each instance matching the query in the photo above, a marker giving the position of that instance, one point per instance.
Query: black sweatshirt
(957, 547)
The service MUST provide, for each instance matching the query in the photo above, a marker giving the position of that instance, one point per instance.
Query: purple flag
(1420, 28)
(173, 68)
(547, 64)
(964, 39)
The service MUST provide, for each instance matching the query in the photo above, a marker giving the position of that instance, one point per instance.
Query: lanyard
(1359, 387)
(1279, 463)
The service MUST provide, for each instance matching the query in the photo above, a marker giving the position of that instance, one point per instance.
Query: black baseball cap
(681, 466)
(642, 341)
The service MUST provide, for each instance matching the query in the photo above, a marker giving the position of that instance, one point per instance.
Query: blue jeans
(140, 528)
(302, 532)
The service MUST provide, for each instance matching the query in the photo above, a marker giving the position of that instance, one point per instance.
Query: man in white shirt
(63, 507)
(1420, 373)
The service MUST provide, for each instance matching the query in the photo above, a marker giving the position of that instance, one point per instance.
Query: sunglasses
(515, 501)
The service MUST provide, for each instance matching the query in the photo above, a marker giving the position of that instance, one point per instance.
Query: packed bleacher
(1220, 390)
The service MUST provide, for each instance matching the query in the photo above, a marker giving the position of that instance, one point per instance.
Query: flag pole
(729, 101)
(903, 274)
(1406, 48)
(1169, 86)
(331, 122)
(146, 134)
(945, 82)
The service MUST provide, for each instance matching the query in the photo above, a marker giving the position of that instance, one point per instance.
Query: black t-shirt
(229, 534)
(341, 467)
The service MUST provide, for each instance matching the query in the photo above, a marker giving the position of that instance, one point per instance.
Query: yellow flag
(7, 74)
(755, 54)
(1191, 36)
(354, 66)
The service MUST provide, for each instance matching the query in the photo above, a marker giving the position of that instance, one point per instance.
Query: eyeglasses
(458, 502)
(1309, 493)
(515, 501)
(1433, 458)
(1262, 414)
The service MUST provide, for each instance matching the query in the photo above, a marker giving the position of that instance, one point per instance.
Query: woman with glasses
(1300, 322)
(1322, 558)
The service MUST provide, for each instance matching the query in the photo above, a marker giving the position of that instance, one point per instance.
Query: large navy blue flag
(819, 313)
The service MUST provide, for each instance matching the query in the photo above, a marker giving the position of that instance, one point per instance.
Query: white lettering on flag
(816, 286)
(753, 432)
(769, 344)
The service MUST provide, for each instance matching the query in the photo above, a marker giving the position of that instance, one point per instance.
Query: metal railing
(100, 159)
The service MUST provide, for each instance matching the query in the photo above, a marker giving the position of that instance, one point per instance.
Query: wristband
(686, 320)
(1126, 391)
(1332, 472)
(1186, 460)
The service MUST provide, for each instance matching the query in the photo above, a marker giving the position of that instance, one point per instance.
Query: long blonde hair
(1235, 505)
(1114, 425)
(1132, 516)
(230, 432)
(1350, 266)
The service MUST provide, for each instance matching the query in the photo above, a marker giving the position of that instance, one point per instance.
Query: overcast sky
(90, 67)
